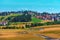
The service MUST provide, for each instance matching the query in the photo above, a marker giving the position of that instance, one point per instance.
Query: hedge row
(42, 24)
(32, 25)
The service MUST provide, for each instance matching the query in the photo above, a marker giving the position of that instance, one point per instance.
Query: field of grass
(30, 34)
(3, 18)
(17, 35)
(35, 20)
(52, 34)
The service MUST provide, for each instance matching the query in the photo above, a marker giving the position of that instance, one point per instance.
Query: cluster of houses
(46, 15)
(53, 17)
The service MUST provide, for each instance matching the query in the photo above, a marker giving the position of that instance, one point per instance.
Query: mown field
(52, 31)
(18, 35)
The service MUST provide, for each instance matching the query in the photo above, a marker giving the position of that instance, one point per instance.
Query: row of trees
(32, 25)
(42, 24)
(24, 12)
(15, 12)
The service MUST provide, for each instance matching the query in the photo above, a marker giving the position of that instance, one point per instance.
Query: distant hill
(20, 18)
(27, 16)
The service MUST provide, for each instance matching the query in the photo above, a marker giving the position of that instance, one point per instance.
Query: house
(4, 23)
(55, 18)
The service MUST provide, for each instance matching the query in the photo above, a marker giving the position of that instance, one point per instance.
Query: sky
(52, 6)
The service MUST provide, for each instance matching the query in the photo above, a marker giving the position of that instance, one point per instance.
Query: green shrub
(27, 26)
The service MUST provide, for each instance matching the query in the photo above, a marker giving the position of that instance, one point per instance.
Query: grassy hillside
(3, 18)
(35, 20)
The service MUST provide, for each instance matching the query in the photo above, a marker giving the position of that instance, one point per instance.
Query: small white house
(4, 23)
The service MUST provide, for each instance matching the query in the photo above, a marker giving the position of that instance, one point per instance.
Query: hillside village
(53, 17)
(27, 18)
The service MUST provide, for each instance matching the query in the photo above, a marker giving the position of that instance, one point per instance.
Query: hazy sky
(35, 5)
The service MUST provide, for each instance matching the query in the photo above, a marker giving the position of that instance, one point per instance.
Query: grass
(52, 34)
(55, 32)
(29, 36)
(11, 15)
(48, 26)
(1, 18)
(18, 36)
(36, 20)
(23, 38)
